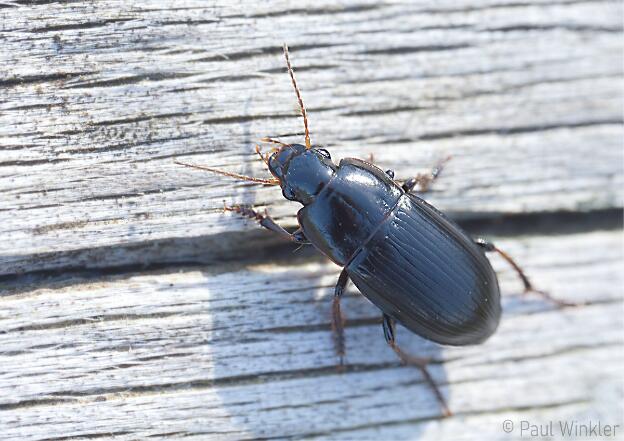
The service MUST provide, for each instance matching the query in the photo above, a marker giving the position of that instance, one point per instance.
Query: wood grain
(247, 353)
(132, 308)
(97, 99)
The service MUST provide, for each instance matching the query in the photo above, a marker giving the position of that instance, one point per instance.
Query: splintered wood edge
(248, 353)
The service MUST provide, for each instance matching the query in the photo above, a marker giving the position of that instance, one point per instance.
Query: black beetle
(419, 267)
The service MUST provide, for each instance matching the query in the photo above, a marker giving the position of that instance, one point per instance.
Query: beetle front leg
(528, 286)
(424, 181)
(267, 222)
(338, 320)
(419, 362)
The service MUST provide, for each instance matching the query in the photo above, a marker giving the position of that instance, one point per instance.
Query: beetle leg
(419, 362)
(424, 181)
(267, 222)
(338, 320)
(528, 286)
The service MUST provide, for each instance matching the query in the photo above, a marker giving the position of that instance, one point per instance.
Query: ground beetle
(416, 265)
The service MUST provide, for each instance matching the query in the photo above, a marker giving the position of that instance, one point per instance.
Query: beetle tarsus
(424, 181)
(528, 286)
(267, 222)
(546, 296)
(338, 320)
(419, 362)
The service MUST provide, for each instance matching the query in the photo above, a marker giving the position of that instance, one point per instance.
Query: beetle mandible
(416, 265)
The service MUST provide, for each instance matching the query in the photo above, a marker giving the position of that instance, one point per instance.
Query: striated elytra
(411, 261)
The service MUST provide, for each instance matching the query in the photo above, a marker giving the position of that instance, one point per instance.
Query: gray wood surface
(132, 307)
(246, 352)
(97, 100)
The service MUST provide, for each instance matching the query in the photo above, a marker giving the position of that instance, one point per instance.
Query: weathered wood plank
(97, 99)
(245, 352)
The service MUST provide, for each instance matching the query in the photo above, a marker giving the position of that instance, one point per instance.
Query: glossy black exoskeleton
(416, 265)
(411, 261)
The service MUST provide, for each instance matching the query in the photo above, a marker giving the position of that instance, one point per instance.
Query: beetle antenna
(303, 110)
(232, 175)
(274, 141)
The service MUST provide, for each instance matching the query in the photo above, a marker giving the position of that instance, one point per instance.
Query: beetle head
(302, 172)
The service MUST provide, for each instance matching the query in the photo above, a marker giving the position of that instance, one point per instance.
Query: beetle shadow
(276, 372)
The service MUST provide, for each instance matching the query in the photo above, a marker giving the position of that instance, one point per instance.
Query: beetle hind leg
(419, 362)
(528, 286)
(338, 320)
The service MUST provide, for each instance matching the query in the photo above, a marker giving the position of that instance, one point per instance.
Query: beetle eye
(324, 153)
